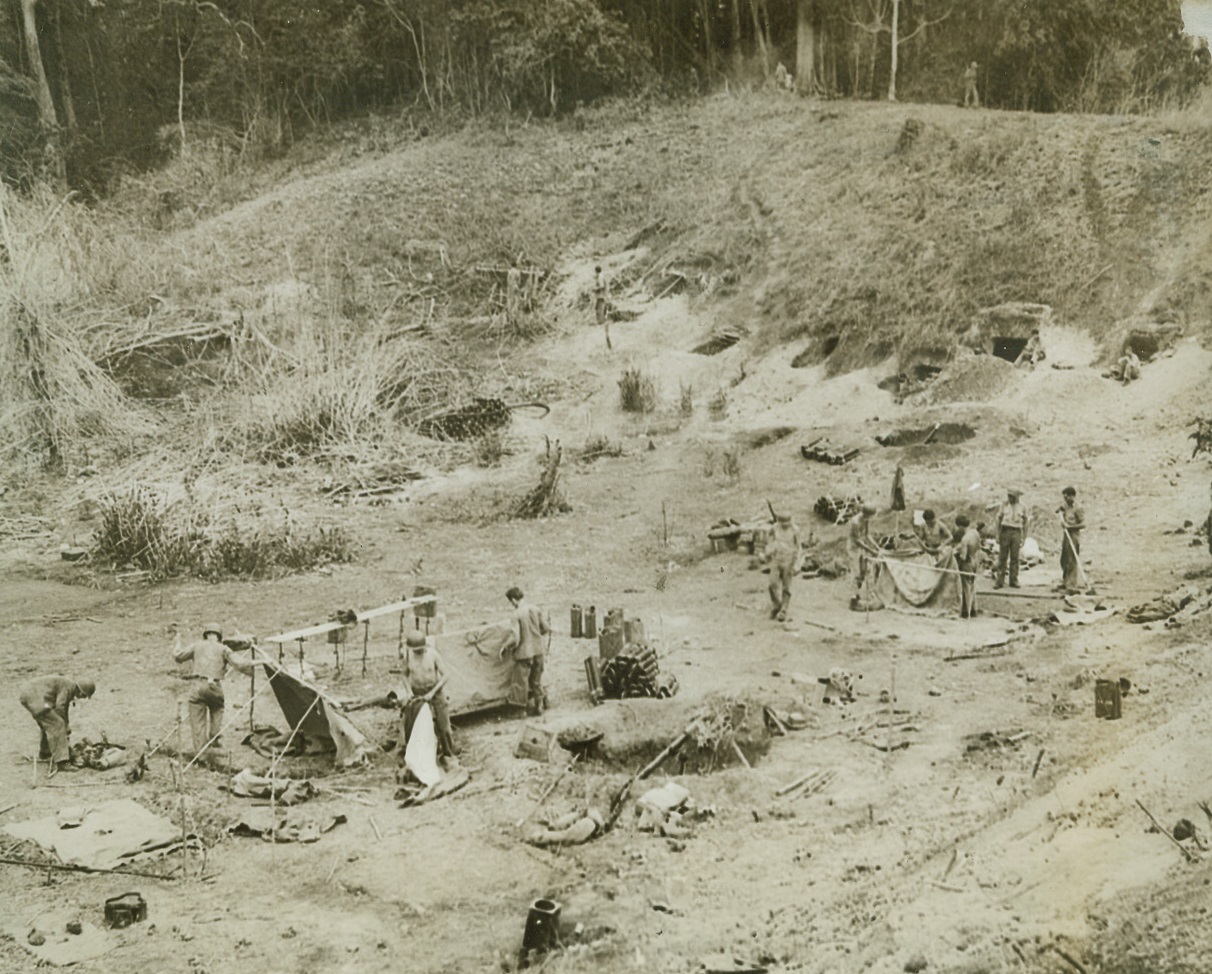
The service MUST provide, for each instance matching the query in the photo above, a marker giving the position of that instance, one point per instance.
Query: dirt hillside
(992, 824)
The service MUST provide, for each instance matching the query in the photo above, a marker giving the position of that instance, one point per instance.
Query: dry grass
(141, 528)
(54, 399)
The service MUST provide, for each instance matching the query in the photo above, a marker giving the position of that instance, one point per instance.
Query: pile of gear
(636, 673)
(838, 510)
(1177, 608)
(100, 756)
(822, 451)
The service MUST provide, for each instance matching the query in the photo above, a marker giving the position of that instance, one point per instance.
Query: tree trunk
(896, 43)
(760, 38)
(708, 45)
(65, 87)
(737, 54)
(46, 105)
(805, 47)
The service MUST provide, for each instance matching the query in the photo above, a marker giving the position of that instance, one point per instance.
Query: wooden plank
(360, 615)
(297, 634)
(364, 614)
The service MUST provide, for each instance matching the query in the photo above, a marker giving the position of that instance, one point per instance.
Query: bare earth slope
(1032, 855)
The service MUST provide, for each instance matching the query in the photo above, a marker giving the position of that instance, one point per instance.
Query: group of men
(784, 554)
(48, 699)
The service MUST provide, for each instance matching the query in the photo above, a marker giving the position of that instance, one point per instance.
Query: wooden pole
(252, 696)
(181, 797)
(365, 643)
(891, 708)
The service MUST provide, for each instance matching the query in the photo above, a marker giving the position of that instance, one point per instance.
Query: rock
(915, 964)
(75, 927)
(35, 939)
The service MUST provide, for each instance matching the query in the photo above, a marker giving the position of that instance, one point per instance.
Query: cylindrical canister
(593, 677)
(633, 632)
(426, 610)
(610, 643)
(590, 630)
(614, 619)
(575, 623)
(542, 926)
(1107, 699)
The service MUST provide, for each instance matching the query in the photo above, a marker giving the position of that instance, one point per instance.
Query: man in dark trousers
(48, 698)
(1011, 533)
(531, 633)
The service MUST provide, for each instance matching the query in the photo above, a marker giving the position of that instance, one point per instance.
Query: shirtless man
(859, 545)
(425, 680)
(783, 553)
(931, 533)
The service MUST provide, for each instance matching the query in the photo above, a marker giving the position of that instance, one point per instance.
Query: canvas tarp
(108, 835)
(916, 581)
(478, 676)
(317, 718)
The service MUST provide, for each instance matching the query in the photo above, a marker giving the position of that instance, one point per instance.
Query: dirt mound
(979, 378)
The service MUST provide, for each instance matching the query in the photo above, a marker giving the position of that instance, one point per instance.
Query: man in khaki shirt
(211, 661)
(529, 647)
(48, 698)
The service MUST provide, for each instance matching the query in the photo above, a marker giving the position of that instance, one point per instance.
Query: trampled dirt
(1030, 855)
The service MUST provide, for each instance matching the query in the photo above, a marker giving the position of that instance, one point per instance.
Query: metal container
(542, 926)
(633, 632)
(426, 610)
(614, 619)
(610, 643)
(1107, 699)
(576, 623)
(590, 630)
(593, 677)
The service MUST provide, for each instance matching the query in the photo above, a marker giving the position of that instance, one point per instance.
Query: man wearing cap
(530, 625)
(425, 682)
(967, 561)
(1072, 520)
(1011, 532)
(48, 698)
(931, 532)
(206, 703)
(783, 553)
(860, 546)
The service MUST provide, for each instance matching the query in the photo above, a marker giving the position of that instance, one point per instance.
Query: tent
(478, 675)
(315, 715)
(916, 581)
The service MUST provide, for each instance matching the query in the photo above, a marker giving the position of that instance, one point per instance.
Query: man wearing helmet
(206, 703)
(48, 698)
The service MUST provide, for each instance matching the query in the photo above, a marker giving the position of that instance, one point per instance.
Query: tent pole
(252, 696)
(400, 647)
(365, 643)
(181, 798)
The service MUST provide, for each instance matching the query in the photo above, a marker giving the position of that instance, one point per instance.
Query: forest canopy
(90, 89)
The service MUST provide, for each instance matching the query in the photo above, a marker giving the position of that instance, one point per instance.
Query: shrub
(686, 400)
(718, 407)
(637, 392)
(144, 530)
